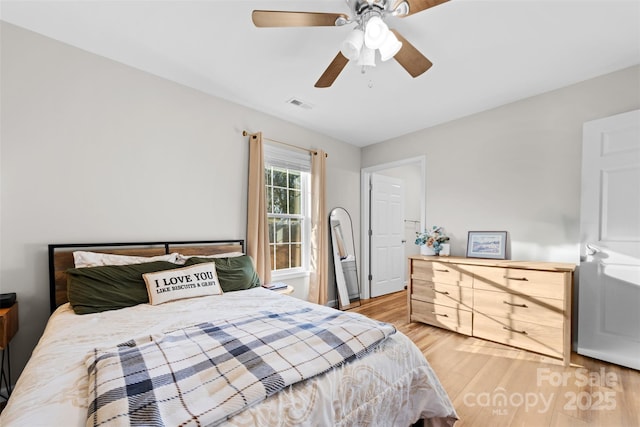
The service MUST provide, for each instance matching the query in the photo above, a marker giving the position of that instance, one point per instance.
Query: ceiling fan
(371, 33)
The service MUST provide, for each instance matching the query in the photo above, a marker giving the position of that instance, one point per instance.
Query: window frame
(304, 216)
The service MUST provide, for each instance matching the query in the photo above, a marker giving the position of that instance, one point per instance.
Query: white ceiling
(485, 53)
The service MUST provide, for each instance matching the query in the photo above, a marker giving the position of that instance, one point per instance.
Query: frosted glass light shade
(367, 57)
(390, 47)
(375, 32)
(352, 45)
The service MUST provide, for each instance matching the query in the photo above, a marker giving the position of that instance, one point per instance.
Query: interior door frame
(365, 203)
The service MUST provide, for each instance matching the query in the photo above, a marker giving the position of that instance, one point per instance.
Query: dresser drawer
(547, 284)
(544, 311)
(530, 336)
(444, 294)
(442, 316)
(433, 271)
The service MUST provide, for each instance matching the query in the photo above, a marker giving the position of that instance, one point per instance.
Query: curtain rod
(245, 133)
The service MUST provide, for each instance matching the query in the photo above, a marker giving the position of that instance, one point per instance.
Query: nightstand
(8, 328)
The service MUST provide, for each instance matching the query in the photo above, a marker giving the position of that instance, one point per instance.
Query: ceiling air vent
(299, 103)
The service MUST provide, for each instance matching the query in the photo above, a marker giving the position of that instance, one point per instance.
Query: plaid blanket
(204, 374)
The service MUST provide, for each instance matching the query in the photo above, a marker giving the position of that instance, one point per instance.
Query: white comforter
(393, 386)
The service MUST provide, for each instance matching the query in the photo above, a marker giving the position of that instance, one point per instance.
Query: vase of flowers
(427, 250)
(446, 250)
(431, 240)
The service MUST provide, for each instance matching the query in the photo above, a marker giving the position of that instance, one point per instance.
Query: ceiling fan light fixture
(352, 45)
(390, 47)
(367, 57)
(375, 32)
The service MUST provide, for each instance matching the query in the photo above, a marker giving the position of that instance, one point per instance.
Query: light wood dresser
(519, 303)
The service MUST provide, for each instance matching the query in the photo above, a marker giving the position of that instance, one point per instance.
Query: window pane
(279, 177)
(272, 229)
(296, 231)
(294, 201)
(269, 191)
(296, 256)
(279, 200)
(267, 176)
(272, 249)
(294, 179)
(282, 231)
(282, 256)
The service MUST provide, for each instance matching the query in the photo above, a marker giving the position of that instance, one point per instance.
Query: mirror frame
(342, 249)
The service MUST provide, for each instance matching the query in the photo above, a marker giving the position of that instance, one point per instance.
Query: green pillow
(234, 273)
(110, 287)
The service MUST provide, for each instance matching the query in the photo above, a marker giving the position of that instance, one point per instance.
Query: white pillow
(83, 259)
(187, 282)
(183, 258)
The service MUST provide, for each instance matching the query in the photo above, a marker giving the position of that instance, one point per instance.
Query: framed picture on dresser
(487, 244)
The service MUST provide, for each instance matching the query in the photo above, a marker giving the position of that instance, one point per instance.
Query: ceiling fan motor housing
(359, 7)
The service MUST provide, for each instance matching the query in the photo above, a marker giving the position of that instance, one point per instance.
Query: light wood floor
(495, 385)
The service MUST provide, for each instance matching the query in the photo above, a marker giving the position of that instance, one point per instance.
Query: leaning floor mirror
(344, 259)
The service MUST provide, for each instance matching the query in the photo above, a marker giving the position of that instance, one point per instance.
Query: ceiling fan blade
(410, 58)
(333, 70)
(416, 6)
(274, 18)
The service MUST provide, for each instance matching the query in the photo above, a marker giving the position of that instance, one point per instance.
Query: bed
(82, 364)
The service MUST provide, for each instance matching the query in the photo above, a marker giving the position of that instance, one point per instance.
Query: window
(288, 200)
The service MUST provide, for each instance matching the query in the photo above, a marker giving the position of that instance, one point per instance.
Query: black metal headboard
(61, 257)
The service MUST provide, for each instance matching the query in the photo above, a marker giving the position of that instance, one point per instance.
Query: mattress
(393, 385)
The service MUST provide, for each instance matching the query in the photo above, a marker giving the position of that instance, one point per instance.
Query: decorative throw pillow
(235, 273)
(110, 287)
(83, 259)
(187, 282)
(182, 259)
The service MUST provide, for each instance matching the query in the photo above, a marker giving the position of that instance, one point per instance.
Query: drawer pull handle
(442, 292)
(442, 270)
(516, 305)
(514, 330)
(523, 279)
(438, 314)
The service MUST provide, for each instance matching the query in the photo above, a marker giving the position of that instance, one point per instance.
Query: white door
(387, 233)
(609, 292)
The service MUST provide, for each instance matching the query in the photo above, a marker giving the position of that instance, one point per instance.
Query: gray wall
(93, 150)
(514, 168)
